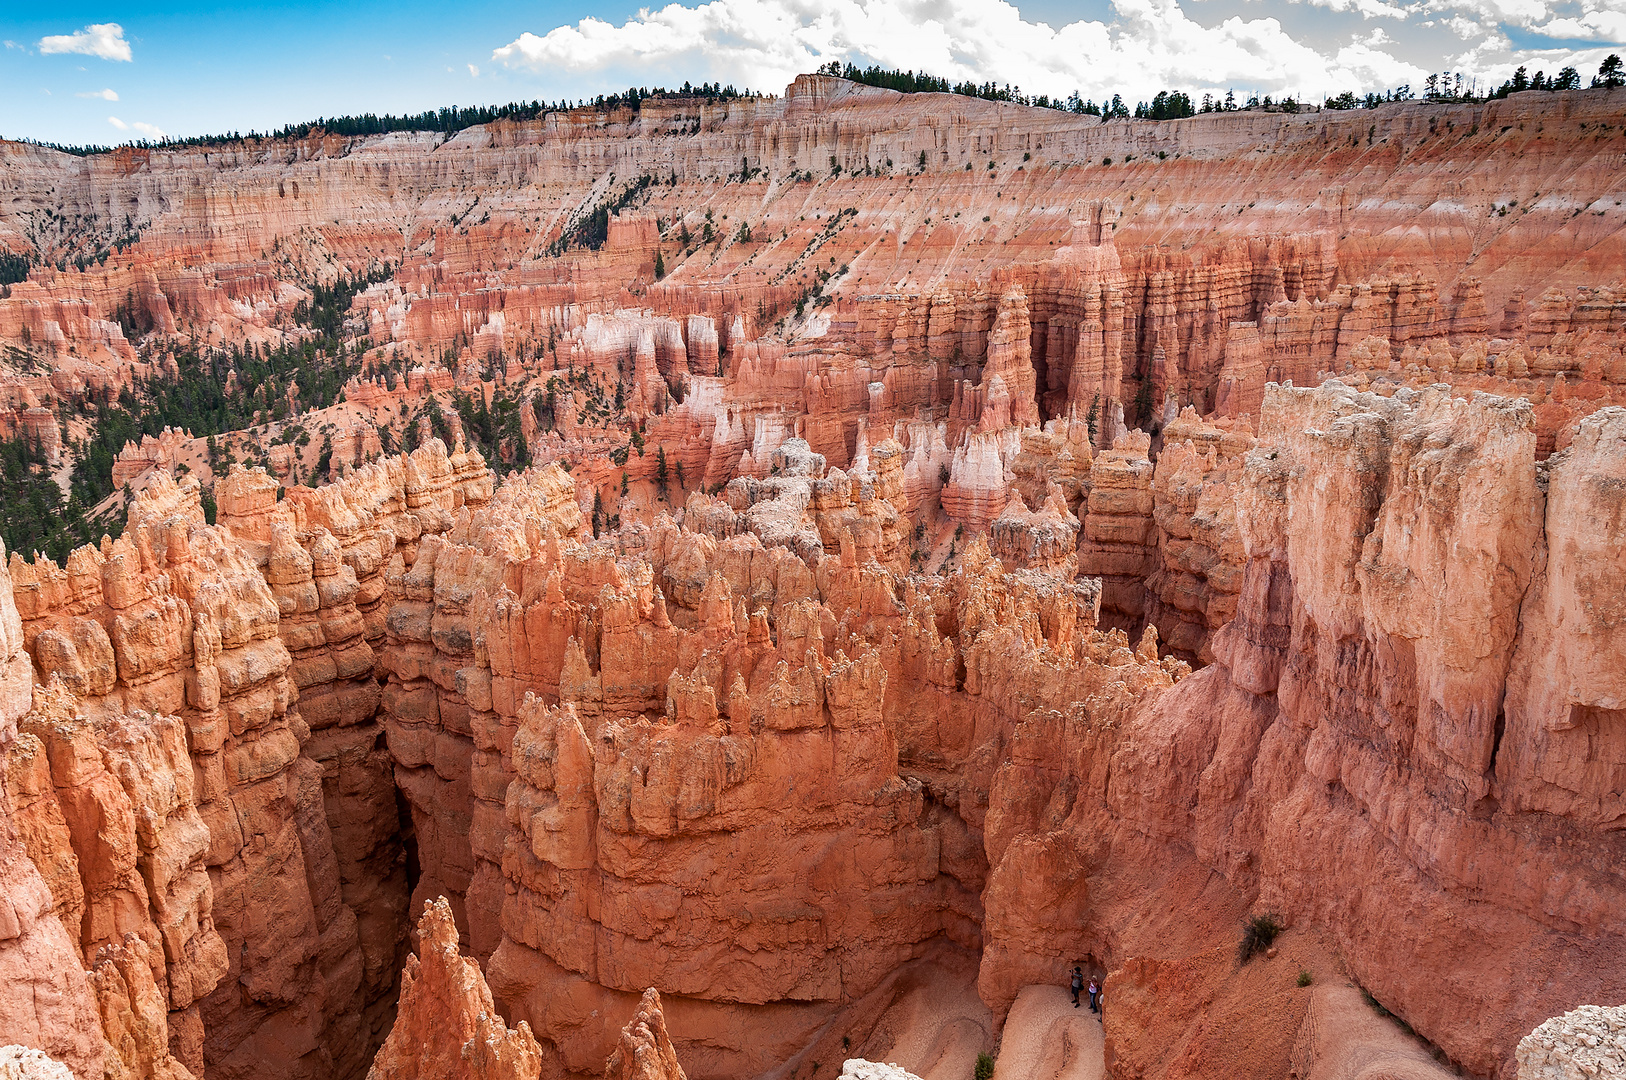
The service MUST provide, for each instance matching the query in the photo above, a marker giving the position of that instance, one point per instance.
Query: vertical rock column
(1009, 378)
(1117, 540)
(339, 697)
(110, 811)
(427, 640)
(176, 617)
(1197, 572)
(45, 1000)
(447, 1026)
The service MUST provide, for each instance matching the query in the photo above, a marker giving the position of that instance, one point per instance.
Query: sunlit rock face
(843, 623)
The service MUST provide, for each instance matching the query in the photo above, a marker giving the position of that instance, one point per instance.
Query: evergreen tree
(1143, 403)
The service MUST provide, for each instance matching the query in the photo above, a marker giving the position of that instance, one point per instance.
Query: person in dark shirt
(1078, 984)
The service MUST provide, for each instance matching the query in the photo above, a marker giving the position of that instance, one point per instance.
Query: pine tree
(1143, 403)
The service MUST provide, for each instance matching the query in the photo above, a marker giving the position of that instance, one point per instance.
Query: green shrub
(1258, 931)
(1305, 978)
(985, 1067)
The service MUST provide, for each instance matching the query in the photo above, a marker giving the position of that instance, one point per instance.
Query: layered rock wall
(49, 1008)
(1050, 286)
(743, 756)
(1364, 747)
(276, 878)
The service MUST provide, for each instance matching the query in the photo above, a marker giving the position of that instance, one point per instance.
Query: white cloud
(1591, 26)
(152, 131)
(474, 72)
(1369, 9)
(1151, 45)
(1585, 20)
(1469, 28)
(105, 40)
(105, 95)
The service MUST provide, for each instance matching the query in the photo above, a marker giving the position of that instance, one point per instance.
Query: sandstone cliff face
(1563, 692)
(47, 1003)
(1192, 589)
(1047, 288)
(210, 850)
(111, 801)
(745, 758)
(1347, 760)
(745, 748)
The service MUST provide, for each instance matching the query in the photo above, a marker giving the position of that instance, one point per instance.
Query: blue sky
(114, 71)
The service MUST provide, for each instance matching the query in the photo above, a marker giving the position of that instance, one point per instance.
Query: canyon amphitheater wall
(845, 265)
(968, 466)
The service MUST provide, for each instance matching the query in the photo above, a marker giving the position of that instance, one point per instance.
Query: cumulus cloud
(474, 72)
(1368, 9)
(105, 40)
(1466, 28)
(1603, 21)
(151, 131)
(1602, 26)
(1151, 45)
(105, 95)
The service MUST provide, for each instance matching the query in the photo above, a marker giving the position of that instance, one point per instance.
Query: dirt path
(1047, 1039)
(937, 1028)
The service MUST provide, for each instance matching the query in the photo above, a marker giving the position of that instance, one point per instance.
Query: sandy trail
(1046, 1038)
(936, 1027)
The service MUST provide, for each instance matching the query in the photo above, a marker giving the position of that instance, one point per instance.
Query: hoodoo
(740, 585)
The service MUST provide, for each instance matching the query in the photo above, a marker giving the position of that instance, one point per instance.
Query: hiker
(1098, 997)
(1095, 995)
(1078, 984)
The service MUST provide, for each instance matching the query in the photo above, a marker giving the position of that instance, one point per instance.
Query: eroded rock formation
(645, 1051)
(446, 1025)
(854, 638)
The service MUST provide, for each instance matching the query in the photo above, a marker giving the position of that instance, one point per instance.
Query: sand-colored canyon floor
(1045, 1038)
(927, 1018)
